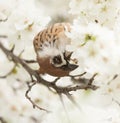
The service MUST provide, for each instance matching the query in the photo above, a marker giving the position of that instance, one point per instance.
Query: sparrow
(50, 47)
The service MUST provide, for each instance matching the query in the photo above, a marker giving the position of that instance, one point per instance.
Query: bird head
(57, 65)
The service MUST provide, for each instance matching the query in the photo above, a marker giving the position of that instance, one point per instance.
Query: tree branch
(29, 98)
(3, 36)
(2, 120)
(4, 20)
(36, 78)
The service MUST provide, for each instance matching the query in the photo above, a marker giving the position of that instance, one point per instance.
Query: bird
(50, 48)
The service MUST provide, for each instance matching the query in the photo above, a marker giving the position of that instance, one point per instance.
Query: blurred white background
(96, 24)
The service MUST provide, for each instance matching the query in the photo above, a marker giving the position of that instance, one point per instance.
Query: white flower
(93, 44)
(101, 11)
(25, 21)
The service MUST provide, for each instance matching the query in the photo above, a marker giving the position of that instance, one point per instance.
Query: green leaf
(14, 71)
(87, 92)
(89, 37)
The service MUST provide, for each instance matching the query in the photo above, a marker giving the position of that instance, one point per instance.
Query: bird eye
(57, 59)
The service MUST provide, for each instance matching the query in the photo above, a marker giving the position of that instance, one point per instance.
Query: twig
(2, 120)
(29, 98)
(3, 20)
(113, 78)
(92, 78)
(118, 103)
(3, 36)
(10, 72)
(78, 75)
(56, 80)
(84, 81)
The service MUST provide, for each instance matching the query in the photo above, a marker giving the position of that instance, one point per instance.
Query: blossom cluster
(95, 36)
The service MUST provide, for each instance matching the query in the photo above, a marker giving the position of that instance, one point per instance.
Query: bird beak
(69, 67)
(72, 67)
